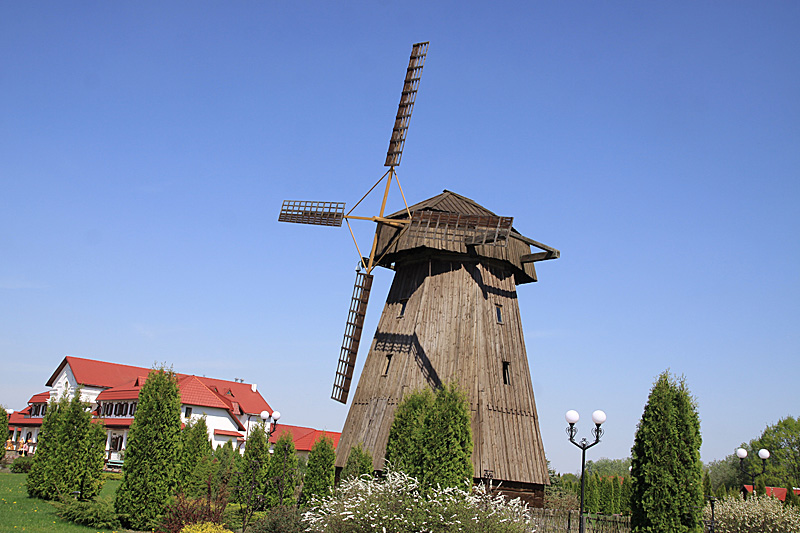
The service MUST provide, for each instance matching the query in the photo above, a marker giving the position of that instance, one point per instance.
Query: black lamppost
(572, 416)
(763, 453)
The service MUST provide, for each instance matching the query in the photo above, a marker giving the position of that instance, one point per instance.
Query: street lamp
(572, 416)
(763, 454)
(275, 416)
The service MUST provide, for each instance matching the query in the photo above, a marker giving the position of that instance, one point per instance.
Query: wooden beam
(537, 244)
(398, 223)
(539, 256)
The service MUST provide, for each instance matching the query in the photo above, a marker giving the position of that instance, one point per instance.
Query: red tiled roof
(775, 492)
(18, 418)
(113, 375)
(227, 433)
(304, 438)
(42, 397)
(118, 394)
(194, 392)
(98, 373)
(115, 422)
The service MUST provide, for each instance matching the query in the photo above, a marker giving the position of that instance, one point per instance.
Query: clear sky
(146, 147)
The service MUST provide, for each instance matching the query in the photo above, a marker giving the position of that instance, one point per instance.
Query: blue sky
(145, 150)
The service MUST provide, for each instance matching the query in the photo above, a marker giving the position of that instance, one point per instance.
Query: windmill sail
(469, 229)
(406, 107)
(352, 337)
(316, 213)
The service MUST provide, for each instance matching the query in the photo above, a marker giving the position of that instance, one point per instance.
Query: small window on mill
(403, 304)
(498, 309)
(506, 373)
(388, 364)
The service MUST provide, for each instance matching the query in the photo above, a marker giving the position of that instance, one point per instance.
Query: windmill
(451, 314)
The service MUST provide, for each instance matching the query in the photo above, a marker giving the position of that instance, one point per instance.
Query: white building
(231, 408)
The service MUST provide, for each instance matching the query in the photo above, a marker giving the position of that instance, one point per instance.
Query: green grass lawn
(20, 513)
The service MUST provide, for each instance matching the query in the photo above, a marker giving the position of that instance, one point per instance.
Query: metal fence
(556, 521)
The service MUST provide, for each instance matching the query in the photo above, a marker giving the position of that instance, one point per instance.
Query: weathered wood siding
(449, 331)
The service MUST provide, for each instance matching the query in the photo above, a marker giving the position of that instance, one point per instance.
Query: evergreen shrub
(282, 475)
(98, 514)
(280, 519)
(359, 463)
(431, 437)
(320, 471)
(22, 464)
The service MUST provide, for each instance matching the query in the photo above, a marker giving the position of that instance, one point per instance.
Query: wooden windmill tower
(451, 314)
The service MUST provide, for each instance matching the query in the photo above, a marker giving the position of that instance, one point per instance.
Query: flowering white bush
(397, 503)
(756, 514)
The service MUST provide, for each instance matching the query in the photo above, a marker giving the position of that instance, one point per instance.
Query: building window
(44, 409)
(498, 309)
(388, 363)
(133, 408)
(506, 373)
(124, 410)
(107, 408)
(117, 409)
(403, 304)
(188, 412)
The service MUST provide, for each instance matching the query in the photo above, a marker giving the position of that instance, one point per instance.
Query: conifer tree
(407, 433)
(666, 467)
(69, 456)
(761, 487)
(591, 496)
(791, 498)
(615, 494)
(447, 442)
(318, 481)
(152, 458)
(226, 457)
(3, 424)
(252, 477)
(706, 486)
(625, 496)
(39, 481)
(359, 463)
(282, 473)
(195, 447)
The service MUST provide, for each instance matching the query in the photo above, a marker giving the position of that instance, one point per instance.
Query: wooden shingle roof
(398, 244)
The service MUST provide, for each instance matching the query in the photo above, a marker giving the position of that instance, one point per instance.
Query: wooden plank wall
(449, 331)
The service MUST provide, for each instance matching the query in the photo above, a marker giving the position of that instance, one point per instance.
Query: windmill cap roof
(447, 202)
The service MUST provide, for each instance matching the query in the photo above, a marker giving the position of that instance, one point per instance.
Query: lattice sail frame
(453, 227)
(352, 337)
(407, 98)
(316, 213)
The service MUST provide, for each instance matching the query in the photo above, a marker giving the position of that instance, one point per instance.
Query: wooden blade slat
(352, 337)
(316, 213)
(406, 107)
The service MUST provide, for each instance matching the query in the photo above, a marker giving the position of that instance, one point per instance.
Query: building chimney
(253, 387)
